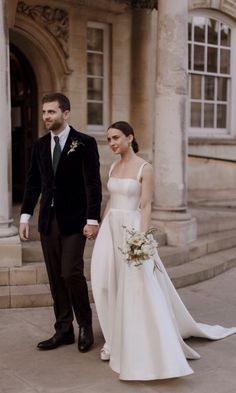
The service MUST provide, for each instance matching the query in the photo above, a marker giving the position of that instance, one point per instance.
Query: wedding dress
(142, 317)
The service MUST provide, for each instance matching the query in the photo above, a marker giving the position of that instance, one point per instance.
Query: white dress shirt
(25, 218)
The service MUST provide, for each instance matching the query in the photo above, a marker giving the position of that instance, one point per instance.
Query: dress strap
(111, 168)
(139, 175)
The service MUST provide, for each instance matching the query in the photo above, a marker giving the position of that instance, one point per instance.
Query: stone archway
(46, 57)
(45, 62)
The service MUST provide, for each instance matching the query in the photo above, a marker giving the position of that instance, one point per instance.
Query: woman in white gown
(142, 317)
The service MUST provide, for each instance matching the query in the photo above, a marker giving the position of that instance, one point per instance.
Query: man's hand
(24, 231)
(91, 231)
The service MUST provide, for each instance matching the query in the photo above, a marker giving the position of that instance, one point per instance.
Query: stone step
(214, 219)
(37, 295)
(172, 256)
(205, 244)
(29, 274)
(32, 250)
(202, 268)
(35, 273)
(21, 296)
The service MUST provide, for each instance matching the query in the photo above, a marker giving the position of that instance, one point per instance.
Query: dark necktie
(56, 154)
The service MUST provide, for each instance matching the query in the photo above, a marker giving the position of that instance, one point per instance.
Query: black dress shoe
(56, 341)
(86, 339)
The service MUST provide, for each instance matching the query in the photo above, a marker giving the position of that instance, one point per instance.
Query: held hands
(24, 231)
(91, 231)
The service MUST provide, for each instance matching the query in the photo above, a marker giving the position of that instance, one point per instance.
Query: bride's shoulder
(145, 170)
(145, 165)
(114, 163)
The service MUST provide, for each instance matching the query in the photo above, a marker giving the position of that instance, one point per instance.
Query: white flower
(73, 146)
(139, 247)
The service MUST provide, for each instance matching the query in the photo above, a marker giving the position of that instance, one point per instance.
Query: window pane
(198, 58)
(213, 27)
(94, 88)
(195, 114)
(196, 86)
(221, 116)
(211, 59)
(225, 61)
(222, 89)
(209, 88)
(208, 115)
(225, 35)
(189, 31)
(95, 64)
(189, 57)
(95, 39)
(199, 28)
(95, 116)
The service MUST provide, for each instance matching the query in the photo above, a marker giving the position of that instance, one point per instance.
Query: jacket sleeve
(91, 170)
(33, 184)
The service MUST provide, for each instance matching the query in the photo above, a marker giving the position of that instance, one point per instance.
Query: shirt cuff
(25, 218)
(92, 222)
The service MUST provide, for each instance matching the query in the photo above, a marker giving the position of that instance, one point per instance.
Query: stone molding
(226, 6)
(149, 4)
(54, 20)
(199, 4)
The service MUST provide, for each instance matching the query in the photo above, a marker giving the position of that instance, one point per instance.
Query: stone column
(143, 73)
(10, 248)
(170, 202)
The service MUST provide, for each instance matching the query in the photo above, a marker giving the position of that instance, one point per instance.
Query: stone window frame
(99, 129)
(214, 134)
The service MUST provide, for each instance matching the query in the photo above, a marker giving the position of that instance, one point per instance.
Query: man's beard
(54, 126)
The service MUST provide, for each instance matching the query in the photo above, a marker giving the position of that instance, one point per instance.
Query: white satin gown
(142, 317)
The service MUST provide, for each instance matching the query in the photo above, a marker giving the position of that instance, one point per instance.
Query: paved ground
(23, 369)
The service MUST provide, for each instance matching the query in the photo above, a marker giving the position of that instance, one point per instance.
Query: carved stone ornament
(228, 6)
(55, 20)
(200, 3)
(151, 4)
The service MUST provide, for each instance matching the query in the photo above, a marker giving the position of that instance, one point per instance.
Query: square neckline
(138, 177)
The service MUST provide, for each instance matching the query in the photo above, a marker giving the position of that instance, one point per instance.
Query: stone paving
(24, 369)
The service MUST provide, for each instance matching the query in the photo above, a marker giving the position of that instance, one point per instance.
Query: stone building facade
(118, 62)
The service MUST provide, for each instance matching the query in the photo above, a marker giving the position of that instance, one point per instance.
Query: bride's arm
(146, 197)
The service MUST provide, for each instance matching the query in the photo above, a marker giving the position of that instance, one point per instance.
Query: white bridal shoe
(104, 354)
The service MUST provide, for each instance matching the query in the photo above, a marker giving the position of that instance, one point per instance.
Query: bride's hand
(91, 231)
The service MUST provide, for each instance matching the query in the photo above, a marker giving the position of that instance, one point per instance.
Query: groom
(64, 169)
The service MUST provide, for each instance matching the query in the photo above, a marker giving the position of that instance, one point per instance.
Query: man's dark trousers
(64, 261)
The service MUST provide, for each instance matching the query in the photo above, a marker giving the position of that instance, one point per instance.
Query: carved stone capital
(54, 20)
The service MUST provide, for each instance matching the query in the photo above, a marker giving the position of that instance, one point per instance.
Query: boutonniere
(74, 144)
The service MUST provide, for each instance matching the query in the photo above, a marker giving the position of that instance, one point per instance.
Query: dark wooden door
(24, 118)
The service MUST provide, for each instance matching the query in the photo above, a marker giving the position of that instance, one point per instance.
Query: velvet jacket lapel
(73, 135)
(47, 155)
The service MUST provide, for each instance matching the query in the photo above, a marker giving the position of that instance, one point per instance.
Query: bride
(142, 317)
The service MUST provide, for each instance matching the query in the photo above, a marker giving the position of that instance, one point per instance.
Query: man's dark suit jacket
(75, 189)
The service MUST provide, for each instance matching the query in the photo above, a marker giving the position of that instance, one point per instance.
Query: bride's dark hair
(126, 128)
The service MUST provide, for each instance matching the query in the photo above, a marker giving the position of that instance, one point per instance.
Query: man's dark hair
(63, 101)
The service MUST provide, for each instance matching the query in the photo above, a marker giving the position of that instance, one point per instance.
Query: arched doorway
(24, 118)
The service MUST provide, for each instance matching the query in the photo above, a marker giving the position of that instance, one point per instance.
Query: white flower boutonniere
(74, 144)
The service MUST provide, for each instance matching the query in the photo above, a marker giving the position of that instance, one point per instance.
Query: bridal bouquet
(140, 247)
